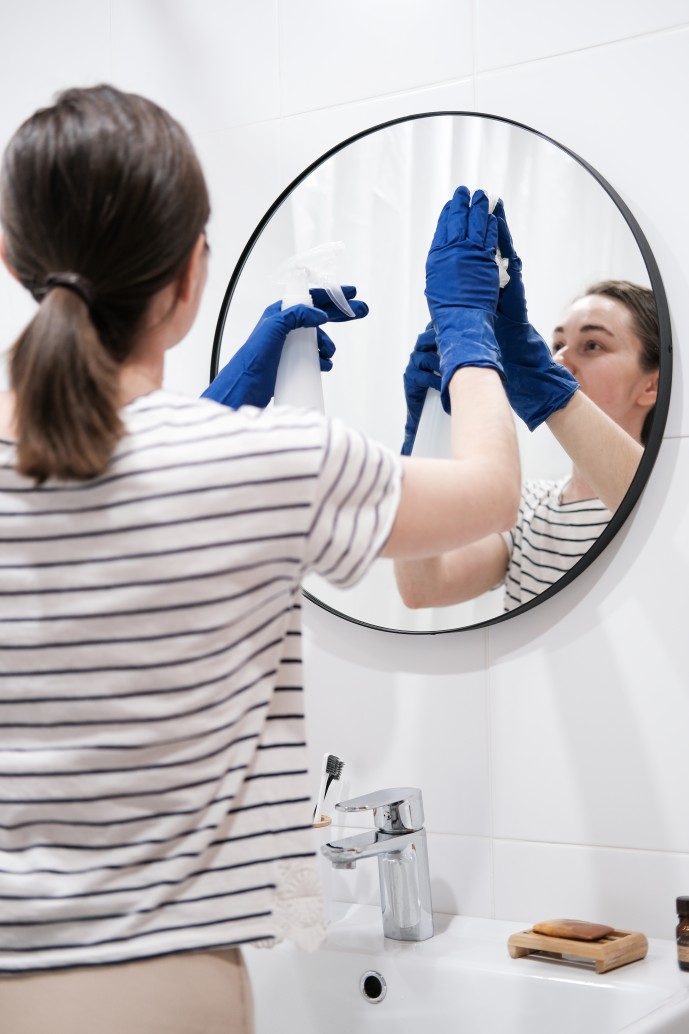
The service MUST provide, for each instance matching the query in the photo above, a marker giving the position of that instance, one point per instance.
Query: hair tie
(73, 282)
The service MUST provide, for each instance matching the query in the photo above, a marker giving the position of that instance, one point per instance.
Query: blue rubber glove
(248, 379)
(535, 384)
(462, 285)
(422, 373)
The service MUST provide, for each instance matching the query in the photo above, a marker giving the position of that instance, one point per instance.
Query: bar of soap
(573, 929)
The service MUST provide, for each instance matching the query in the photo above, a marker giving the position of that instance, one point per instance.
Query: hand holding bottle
(248, 379)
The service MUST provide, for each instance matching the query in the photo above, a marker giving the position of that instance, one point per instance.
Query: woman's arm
(541, 389)
(454, 577)
(604, 454)
(446, 504)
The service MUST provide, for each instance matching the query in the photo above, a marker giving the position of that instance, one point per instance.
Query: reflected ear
(649, 393)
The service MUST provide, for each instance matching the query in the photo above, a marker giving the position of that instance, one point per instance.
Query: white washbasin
(461, 981)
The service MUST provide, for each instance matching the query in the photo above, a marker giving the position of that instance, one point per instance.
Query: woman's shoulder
(171, 412)
(165, 424)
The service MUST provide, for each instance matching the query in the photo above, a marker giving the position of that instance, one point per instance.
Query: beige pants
(199, 993)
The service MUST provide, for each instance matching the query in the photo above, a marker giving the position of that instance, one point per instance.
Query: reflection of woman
(154, 802)
(609, 341)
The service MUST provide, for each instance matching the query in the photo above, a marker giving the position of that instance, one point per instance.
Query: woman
(154, 800)
(609, 342)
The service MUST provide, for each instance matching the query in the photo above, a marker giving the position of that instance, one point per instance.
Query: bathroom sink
(461, 981)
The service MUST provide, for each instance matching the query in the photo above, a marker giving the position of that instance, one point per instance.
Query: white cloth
(154, 791)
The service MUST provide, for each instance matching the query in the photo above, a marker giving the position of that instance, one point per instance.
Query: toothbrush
(331, 769)
(336, 765)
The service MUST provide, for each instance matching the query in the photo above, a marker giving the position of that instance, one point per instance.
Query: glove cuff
(470, 342)
(534, 410)
(536, 385)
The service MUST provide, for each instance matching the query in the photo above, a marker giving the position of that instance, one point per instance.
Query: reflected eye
(557, 345)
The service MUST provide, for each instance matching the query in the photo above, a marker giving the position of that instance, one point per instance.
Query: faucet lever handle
(395, 810)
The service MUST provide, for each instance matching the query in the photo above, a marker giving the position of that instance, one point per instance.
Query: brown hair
(642, 307)
(102, 200)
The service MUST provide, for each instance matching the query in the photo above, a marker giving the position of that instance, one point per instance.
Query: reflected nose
(564, 357)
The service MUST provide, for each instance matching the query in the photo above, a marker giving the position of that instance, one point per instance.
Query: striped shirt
(154, 794)
(548, 539)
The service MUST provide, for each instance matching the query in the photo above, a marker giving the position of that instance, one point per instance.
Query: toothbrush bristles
(333, 766)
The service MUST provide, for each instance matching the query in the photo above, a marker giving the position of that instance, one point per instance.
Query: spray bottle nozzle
(336, 295)
(314, 268)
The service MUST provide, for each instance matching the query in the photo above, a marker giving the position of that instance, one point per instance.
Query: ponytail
(66, 392)
(107, 185)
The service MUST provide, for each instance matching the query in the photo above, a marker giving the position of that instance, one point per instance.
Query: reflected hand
(422, 373)
(462, 286)
(535, 384)
(321, 300)
(248, 379)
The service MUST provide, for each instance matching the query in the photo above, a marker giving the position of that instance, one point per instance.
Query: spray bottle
(298, 381)
(433, 433)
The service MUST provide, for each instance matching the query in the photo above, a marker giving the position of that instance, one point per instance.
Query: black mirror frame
(655, 436)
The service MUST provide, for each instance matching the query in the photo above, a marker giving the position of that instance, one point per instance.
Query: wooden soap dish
(617, 949)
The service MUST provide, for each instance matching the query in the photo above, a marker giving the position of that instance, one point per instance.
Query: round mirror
(380, 193)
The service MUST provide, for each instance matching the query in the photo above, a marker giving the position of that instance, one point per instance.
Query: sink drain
(373, 987)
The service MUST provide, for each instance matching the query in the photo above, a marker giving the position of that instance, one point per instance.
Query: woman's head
(102, 200)
(610, 340)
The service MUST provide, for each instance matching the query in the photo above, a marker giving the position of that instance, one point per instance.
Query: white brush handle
(321, 792)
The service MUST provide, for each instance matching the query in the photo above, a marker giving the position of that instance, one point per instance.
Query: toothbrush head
(333, 769)
(333, 766)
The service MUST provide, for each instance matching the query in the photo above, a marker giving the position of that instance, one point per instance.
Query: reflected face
(597, 343)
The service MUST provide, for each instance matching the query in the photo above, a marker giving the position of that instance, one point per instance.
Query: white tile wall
(630, 890)
(509, 33)
(589, 705)
(590, 702)
(333, 55)
(551, 750)
(377, 728)
(46, 48)
(213, 64)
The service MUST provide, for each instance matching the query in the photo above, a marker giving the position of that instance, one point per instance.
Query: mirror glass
(380, 194)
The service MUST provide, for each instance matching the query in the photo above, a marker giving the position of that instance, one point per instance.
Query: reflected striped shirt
(154, 791)
(549, 538)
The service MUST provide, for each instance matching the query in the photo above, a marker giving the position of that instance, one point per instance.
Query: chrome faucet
(399, 844)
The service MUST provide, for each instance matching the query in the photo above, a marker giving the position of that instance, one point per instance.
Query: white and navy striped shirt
(548, 539)
(153, 786)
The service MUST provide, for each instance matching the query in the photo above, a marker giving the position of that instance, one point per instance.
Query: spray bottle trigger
(336, 296)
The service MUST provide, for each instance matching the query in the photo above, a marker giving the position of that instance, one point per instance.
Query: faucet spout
(370, 844)
(402, 853)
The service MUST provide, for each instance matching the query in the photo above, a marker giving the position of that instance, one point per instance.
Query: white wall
(552, 749)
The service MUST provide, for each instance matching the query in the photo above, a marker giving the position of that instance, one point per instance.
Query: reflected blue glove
(248, 379)
(462, 285)
(535, 384)
(422, 373)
